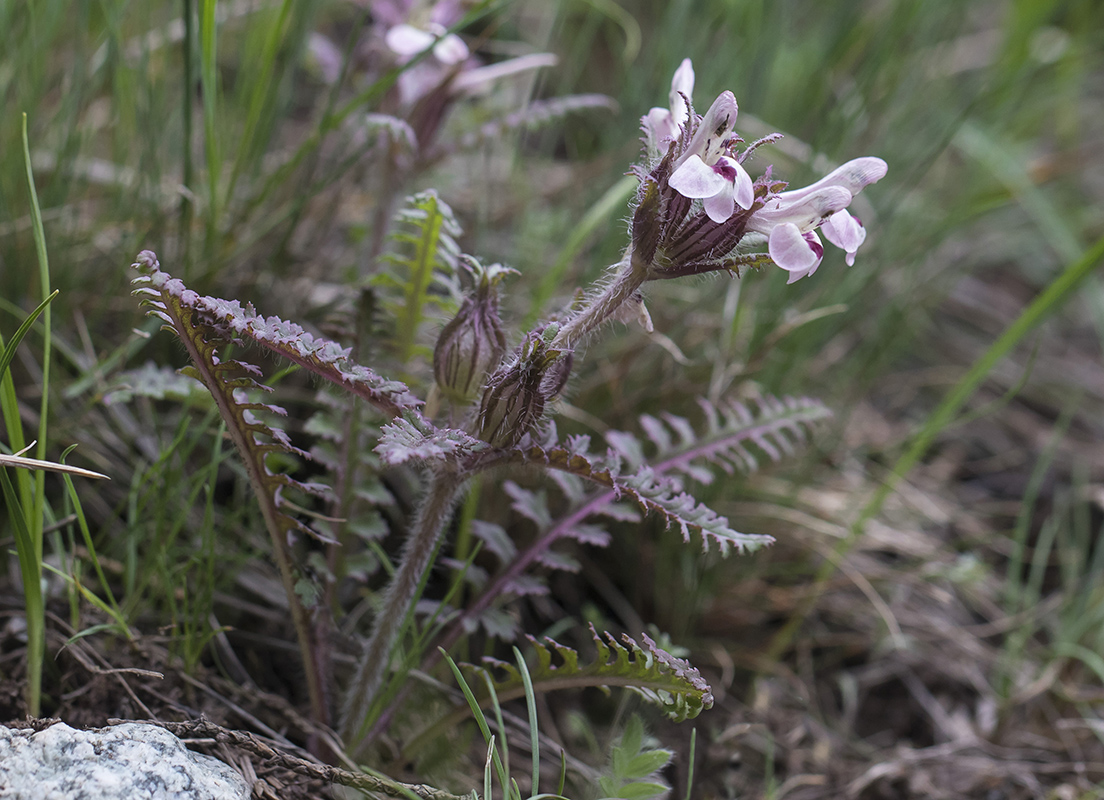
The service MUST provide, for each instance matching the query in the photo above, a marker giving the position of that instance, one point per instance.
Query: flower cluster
(698, 202)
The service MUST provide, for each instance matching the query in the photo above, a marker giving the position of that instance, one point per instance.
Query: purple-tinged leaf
(495, 539)
(592, 535)
(326, 359)
(559, 561)
(402, 441)
(531, 505)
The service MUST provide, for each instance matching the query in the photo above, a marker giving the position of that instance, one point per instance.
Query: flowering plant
(697, 209)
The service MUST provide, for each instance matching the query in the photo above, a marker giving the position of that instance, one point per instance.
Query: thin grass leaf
(86, 535)
(260, 96)
(30, 568)
(480, 719)
(208, 72)
(690, 763)
(39, 500)
(531, 706)
(9, 349)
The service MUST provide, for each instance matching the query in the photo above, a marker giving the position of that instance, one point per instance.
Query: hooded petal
(852, 176)
(796, 252)
(713, 130)
(660, 125)
(805, 212)
(846, 232)
(682, 86)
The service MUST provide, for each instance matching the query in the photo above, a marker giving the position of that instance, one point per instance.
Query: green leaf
(431, 250)
(632, 791)
(655, 674)
(648, 762)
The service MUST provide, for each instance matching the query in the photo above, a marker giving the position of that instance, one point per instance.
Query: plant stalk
(629, 277)
(420, 546)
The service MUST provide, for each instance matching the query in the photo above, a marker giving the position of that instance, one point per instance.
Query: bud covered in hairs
(472, 343)
(514, 399)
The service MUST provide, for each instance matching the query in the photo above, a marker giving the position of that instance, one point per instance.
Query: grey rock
(124, 762)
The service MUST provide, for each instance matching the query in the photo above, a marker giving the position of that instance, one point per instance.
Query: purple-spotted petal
(743, 189)
(796, 252)
(694, 178)
(845, 232)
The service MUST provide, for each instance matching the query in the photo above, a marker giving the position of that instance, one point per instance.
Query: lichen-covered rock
(124, 762)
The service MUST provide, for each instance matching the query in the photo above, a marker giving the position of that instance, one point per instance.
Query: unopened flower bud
(473, 342)
(514, 399)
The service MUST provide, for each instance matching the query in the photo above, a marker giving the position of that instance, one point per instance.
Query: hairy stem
(629, 277)
(429, 525)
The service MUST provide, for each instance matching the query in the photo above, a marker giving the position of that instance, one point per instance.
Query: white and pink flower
(789, 219)
(665, 124)
(697, 159)
(707, 171)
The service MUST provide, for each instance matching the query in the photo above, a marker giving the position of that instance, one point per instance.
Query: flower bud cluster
(514, 399)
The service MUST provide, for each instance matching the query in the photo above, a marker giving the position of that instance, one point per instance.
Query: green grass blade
(208, 72)
(9, 350)
(30, 568)
(260, 96)
(531, 705)
(86, 535)
(690, 763)
(480, 717)
(39, 501)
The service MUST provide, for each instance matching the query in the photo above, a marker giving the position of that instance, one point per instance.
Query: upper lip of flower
(789, 219)
(706, 170)
(665, 123)
(853, 176)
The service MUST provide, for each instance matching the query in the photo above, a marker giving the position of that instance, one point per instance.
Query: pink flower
(707, 171)
(406, 41)
(789, 219)
(662, 124)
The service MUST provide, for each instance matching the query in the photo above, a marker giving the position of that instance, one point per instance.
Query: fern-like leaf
(536, 114)
(325, 358)
(661, 678)
(204, 325)
(230, 383)
(427, 230)
(736, 437)
(411, 438)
